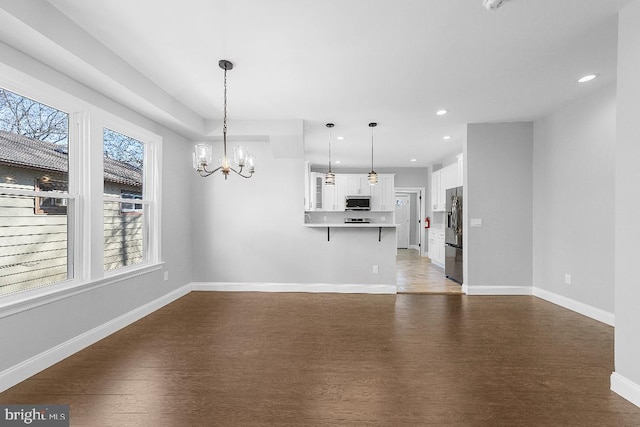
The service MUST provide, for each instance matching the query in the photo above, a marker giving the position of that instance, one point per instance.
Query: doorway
(414, 227)
(414, 271)
(403, 215)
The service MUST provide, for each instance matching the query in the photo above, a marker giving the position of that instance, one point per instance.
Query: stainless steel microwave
(357, 203)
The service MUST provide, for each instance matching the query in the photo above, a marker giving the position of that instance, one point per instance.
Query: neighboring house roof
(18, 150)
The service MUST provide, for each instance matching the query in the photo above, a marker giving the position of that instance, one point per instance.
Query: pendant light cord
(372, 149)
(224, 124)
(329, 150)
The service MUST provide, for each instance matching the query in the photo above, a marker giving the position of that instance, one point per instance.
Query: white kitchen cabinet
(383, 193)
(316, 191)
(307, 186)
(435, 191)
(436, 246)
(449, 176)
(460, 170)
(324, 197)
(357, 185)
(333, 195)
(328, 197)
(341, 192)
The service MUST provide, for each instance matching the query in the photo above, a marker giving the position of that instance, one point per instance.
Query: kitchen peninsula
(327, 206)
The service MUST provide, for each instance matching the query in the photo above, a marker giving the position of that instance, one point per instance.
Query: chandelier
(373, 176)
(203, 153)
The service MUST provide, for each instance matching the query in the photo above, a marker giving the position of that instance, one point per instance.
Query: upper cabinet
(316, 190)
(324, 197)
(450, 176)
(333, 199)
(383, 193)
(357, 185)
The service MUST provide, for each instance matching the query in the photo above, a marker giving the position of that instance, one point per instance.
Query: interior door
(403, 210)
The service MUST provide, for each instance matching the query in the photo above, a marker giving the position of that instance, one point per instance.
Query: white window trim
(151, 178)
(86, 225)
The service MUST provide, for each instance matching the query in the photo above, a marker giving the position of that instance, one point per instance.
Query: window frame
(150, 200)
(84, 211)
(135, 210)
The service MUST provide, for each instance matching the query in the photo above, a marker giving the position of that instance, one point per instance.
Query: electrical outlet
(567, 279)
(375, 269)
(166, 276)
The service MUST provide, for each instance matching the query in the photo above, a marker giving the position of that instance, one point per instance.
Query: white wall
(626, 379)
(34, 331)
(573, 196)
(499, 190)
(251, 231)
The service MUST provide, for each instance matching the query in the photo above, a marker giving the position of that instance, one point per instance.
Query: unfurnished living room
(304, 212)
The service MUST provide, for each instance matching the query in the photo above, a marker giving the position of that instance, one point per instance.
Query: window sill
(21, 301)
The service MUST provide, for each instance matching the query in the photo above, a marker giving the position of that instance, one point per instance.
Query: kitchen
(445, 231)
(327, 207)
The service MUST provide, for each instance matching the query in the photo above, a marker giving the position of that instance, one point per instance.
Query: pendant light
(330, 177)
(373, 176)
(203, 153)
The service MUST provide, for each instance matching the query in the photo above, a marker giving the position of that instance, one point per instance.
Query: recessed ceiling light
(442, 112)
(446, 137)
(337, 162)
(340, 138)
(414, 160)
(587, 78)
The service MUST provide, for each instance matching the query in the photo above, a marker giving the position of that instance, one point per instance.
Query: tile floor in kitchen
(418, 275)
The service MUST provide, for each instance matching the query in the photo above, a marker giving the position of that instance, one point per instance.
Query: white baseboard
(23, 370)
(579, 307)
(293, 287)
(625, 388)
(414, 247)
(497, 290)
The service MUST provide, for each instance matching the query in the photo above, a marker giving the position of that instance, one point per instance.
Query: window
(34, 164)
(53, 235)
(130, 208)
(51, 205)
(126, 225)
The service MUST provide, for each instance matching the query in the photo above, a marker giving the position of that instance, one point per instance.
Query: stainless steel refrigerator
(453, 235)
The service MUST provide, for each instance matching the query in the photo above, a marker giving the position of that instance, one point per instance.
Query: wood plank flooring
(418, 275)
(253, 359)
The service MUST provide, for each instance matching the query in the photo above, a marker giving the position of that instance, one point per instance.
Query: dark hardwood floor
(328, 359)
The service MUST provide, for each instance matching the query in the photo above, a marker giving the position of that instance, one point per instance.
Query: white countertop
(348, 225)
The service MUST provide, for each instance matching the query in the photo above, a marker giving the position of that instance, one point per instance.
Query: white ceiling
(356, 61)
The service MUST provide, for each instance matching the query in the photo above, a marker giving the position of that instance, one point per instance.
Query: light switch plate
(476, 222)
